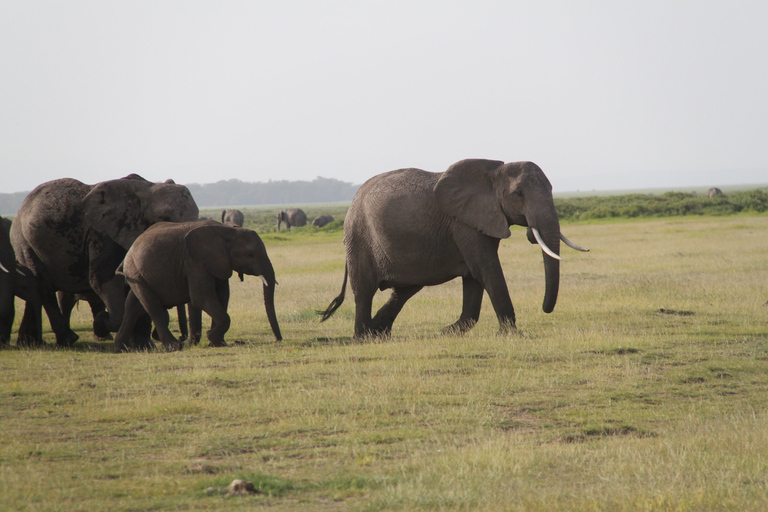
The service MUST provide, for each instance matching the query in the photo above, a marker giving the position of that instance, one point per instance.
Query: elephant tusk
(571, 244)
(544, 247)
(264, 280)
(4, 269)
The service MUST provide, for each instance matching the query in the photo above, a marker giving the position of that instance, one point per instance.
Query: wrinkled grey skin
(409, 228)
(322, 220)
(73, 236)
(714, 191)
(15, 281)
(292, 217)
(172, 264)
(235, 217)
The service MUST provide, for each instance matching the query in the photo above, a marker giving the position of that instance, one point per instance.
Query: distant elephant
(322, 220)
(233, 217)
(292, 217)
(73, 236)
(714, 191)
(409, 228)
(15, 281)
(171, 264)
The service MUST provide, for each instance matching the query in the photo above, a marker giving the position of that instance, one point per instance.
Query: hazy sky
(601, 94)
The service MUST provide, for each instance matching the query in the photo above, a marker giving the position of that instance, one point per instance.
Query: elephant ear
(465, 191)
(114, 208)
(209, 246)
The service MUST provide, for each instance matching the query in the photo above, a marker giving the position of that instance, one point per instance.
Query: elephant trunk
(269, 303)
(548, 232)
(552, 278)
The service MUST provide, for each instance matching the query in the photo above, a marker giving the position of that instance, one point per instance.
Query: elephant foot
(507, 328)
(373, 335)
(67, 339)
(142, 344)
(108, 337)
(173, 347)
(215, 340)
(100, 329)
(458, 328)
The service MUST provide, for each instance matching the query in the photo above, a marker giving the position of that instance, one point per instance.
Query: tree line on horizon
(324, 190)
(240, 193)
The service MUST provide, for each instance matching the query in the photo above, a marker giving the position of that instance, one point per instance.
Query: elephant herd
(133, 249)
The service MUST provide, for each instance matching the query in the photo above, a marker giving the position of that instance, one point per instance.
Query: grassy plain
(605, 404)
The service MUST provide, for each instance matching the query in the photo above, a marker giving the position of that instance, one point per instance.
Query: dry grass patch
(606, 404)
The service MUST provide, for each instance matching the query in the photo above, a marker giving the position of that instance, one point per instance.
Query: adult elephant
(322, 220)
(172, 264)
(292, 217)
(15, 281)
(714, 192)
(409, 228)
(235, 217)
(73, 236)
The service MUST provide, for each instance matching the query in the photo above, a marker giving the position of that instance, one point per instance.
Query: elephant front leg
(502, 304)
(470, 309)
(217, 309)
(113, 294)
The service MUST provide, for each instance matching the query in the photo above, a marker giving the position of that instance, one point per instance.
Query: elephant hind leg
(134, 313)
(159, 315)
(470, 309)
(381, 325)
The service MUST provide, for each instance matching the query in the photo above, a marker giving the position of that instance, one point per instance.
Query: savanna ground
(605, 404)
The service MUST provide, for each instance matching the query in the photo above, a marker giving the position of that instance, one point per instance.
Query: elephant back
(49, 223)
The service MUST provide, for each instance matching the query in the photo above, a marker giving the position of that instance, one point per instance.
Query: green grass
(606, 404)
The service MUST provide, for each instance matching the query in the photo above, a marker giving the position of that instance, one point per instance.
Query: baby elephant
(191, 262)
(232, 217)
(322, 220)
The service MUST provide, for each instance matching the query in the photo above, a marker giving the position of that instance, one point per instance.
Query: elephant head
(222, 250)
(282, 217)
(123, 209)
(490, 196)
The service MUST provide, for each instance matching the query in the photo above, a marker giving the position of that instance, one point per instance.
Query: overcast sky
(601, 94)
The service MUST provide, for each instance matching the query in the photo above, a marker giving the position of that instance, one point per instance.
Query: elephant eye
(518, 192)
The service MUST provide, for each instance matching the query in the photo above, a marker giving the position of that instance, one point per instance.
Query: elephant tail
(335, 303)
